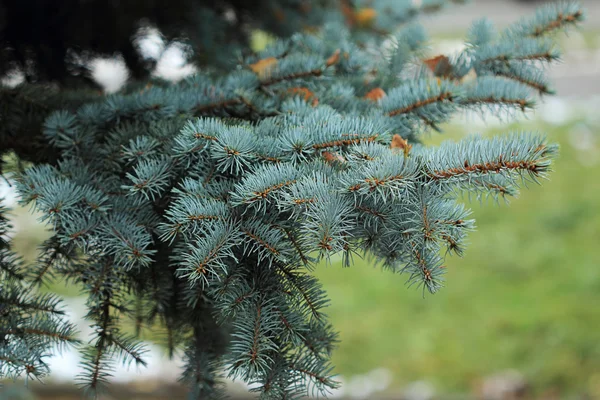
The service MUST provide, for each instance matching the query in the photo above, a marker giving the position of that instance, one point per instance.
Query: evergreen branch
(535, 167)
(189, 214)
(206, 255)
(292, 76)
(324, 380)
(256, 336)
(57, 336)
(45, 303)
(537, 84)
(383, 177)
(211, 107)
(261, 242)
(52, 251)
(504, 52)
(257, 188)
(452, 244)
(503, 190)
(12, 366)
(211, 256)
(295, 72)
(307, 157)
(201, 367)
(253, 341)
(538, 56)
(345, 142)
(426, 273)
(305, 260)
(133, 350)
(559, 22)
(523, 104)
(312, 297)
(255, 109)
(457, 223)
(445, 96)
(427, 230)
(315, 371)
(491, 91)
(548, 19)
(10, 265)
(100, 347)
(518, 153)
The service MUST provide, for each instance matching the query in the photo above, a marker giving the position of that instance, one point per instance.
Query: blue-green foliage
(31, 324)
(212, 199)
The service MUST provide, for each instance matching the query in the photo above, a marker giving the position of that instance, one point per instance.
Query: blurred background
(520, 316)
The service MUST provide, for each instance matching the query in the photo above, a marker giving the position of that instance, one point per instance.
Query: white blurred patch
(364, 386)
(340, 391)
(360, 387)
(8, 194)
(419, 390)
(555, 110)
(510, 384)
(585, 140)
(447, 47)
(582, 138)
(12, 79)
(66, 365)
(173, 64)
(150, 43)
(110, 73)
(381, 378)
(589, 107)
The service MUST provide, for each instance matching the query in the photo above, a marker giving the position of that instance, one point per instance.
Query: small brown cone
(279, 15)
(305, 7)
(365, 16)
(333, 157)
(347, 11)
(400, 144)
(439, 65)
(306, 94)
(375, 94)
(334, 58)
(264, 66)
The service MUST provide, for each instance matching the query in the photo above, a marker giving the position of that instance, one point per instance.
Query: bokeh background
(520, 314)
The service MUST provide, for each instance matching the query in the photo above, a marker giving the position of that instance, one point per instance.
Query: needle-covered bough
(203, 206)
